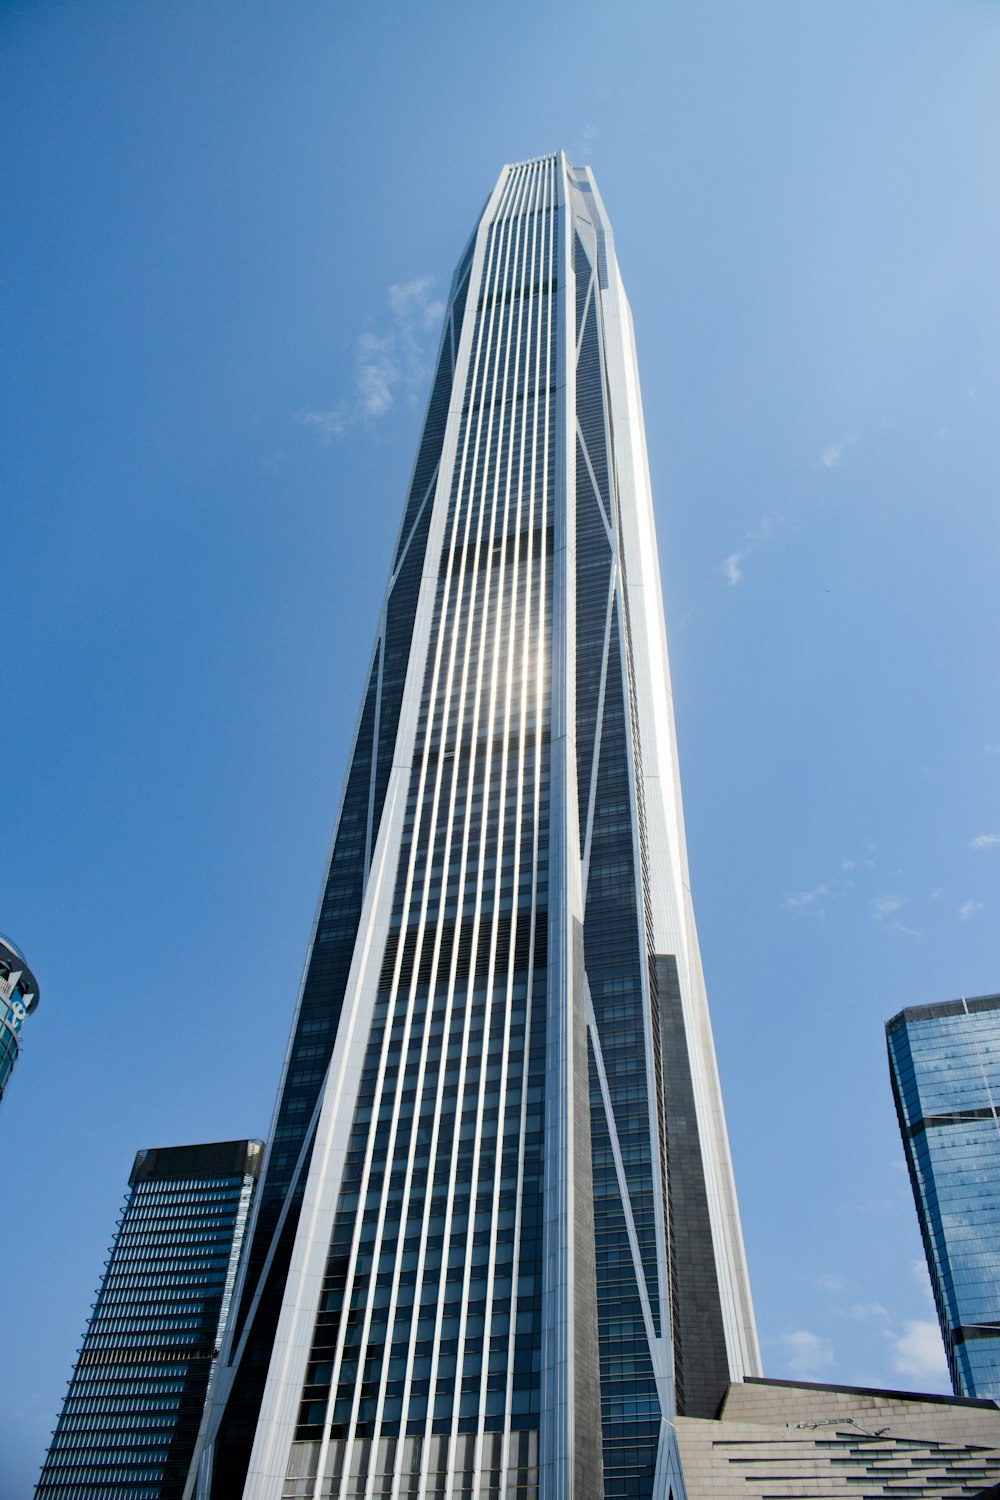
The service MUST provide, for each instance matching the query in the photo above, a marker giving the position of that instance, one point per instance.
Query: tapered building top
(496, 1246)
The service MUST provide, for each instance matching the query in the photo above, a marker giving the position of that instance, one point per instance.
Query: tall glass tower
(944, 1061)
(496, 1245)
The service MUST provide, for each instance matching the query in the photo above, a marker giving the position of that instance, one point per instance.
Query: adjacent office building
(945, 1066)
(18, 998)
(131, 1415)
(496, 1246)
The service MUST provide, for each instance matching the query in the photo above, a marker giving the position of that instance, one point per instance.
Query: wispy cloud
(884, 906)
(765, 529)
(984, 841)
(913, 1344)
(588, 135)
(831, 1281)
(866, 1312)
(389, 361)
(836, 886)
(731, 567)
(918, 1350)
(834, 452)
(806, 1353)
(806, 898)
(329, 424)
(968, 910)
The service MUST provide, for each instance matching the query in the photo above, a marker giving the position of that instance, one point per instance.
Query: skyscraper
(18, 998)
(945, 1065)
(496, 1245)
(131, 1414)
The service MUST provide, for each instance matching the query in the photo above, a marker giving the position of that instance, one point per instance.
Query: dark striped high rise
(131, 1416)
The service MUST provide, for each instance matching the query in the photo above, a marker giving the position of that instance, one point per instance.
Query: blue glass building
(496, 1245)
(18, 998)
(945, 1066)
(131, 1414)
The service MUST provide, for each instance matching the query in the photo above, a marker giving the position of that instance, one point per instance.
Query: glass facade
(18, 998)
(945, 1066)
(130, 1418)
(464, 1277)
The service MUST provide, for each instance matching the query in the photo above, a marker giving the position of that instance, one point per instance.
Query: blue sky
(228, 232)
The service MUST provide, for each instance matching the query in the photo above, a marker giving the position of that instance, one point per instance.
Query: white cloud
(588, 135)
(376, 371)
(984, 841)
(391, 360)
(412, 303)
(731, 567)
(765, 529)
(807, 1353)
(918, 1350)
(885, 906)
(832, 1281)
(834, 452)
(328, 424)
(968, 910)
(866, 1312)
(806, 898)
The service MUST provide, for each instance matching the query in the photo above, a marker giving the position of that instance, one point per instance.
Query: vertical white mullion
(477, 905)
(445, 621)
(529, 681)
(506, 623)
(473, 574)
(557, 1427)
(491, 619)
(450, 600)
(453, 602)
(363, 1187)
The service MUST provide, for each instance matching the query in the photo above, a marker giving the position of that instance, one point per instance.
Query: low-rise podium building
(788, 1440)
